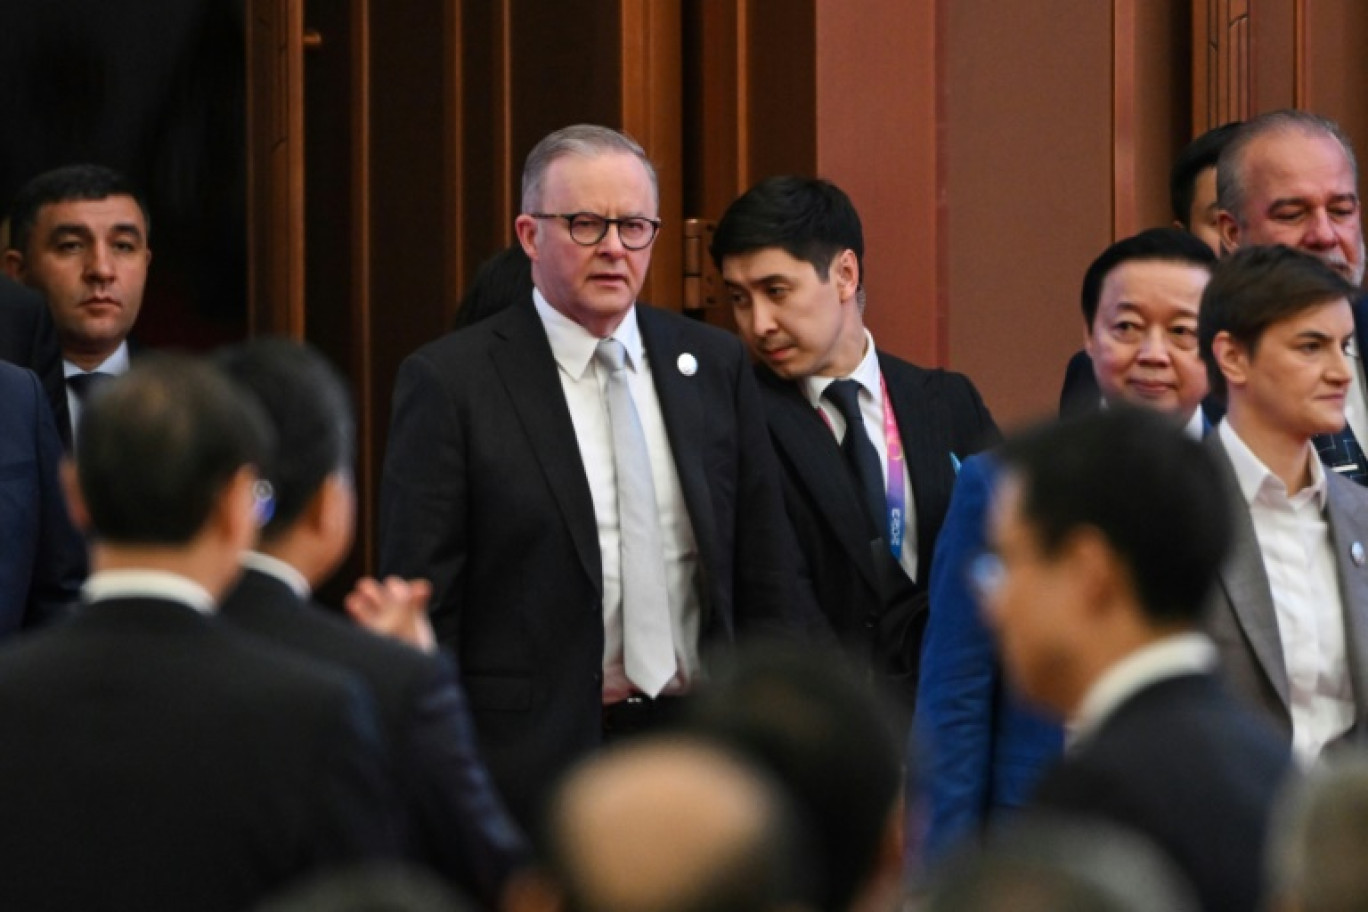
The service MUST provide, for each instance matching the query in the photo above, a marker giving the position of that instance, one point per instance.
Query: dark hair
(503, 279)
(1230, 176)
(808, 720)
(808, 218)
(156, 447)
(1255, 287)
(1167, 244)
(1151, 491)
(60, 185)
(309, 410)
(1197, 156)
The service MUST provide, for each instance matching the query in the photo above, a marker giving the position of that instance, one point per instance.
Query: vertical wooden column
(275, 171)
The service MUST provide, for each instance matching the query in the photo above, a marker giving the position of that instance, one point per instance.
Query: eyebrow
(1302, 200)
(84, 230)
(762, 280)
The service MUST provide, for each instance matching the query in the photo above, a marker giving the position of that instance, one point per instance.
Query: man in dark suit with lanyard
(586, 481)
(870, 444)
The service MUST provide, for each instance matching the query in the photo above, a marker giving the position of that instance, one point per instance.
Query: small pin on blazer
(687, 364)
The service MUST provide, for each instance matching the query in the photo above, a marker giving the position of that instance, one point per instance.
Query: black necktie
(859, 451)
(1342, 454)
(83, 385)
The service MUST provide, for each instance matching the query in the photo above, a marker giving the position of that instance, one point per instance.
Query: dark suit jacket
(42, 556)
(29, 339)
(484, 493)
(1243, 622)
(865, 596)
(1183, 764)
(458, 824)
(156, 759)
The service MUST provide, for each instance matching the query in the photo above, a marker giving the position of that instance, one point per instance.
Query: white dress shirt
(1294, 539)
(1180, 654)
(866, 373)
(157, 584)
(278, 569)
(584, 384)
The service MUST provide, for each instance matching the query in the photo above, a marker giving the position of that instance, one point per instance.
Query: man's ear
(234, 516)
(1229, 230)
(845, 272)
(75, 500)
(14, 264)
(525, 226)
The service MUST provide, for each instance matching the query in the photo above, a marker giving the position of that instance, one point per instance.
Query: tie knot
(845, 395)
(85, 384)
(612, 354)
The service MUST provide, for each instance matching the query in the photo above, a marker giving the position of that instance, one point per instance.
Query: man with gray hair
(1290, 177)
(586, 481)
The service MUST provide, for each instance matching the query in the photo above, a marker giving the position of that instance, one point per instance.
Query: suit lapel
(1347, 509)
(1245, 582)
(524, 363)
(681, 408)
(808, 445)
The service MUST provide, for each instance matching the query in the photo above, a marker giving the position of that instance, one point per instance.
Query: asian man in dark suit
(869, 444)
(29, 339)
(162, 760)
(1096, 591)
(42, 555)
(457, 822)
(586, 481)
(1291, 611)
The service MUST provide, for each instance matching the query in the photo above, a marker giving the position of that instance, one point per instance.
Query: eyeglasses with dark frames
(588, 228)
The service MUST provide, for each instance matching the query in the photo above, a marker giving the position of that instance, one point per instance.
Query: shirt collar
(157, 584)
(115, 364)
(866, 373)
(1253, 476)
(1170, 657)
(276, 568)
(573, 346)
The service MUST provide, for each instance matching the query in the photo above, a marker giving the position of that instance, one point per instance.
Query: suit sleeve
(461, 818)
(60, 562)
(423, 493)
(959, 675)
(774, 594)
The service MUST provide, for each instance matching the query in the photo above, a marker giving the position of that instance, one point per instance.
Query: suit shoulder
(934, 379)
(694, 331)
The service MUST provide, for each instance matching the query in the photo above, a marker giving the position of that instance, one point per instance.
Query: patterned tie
(83, 385)
(1342, 454)
(647, 644)
(859, 451)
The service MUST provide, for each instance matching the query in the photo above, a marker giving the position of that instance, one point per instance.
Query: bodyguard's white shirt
(1294, 539)
(279, 569)
(584, 384)
(158, 584)
(1170, 657)
(866, 374)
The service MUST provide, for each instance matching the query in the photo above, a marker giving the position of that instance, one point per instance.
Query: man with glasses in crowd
(587, 482)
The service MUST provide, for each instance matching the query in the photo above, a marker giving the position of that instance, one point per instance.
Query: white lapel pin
(1356, 553)
(687, 364)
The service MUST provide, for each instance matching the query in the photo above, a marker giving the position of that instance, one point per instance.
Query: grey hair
(585, 140)
(1230, 176)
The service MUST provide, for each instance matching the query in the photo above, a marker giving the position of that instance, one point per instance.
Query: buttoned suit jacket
(485, 494)
(28, 338)
(1183, 764)
(456, 821)
(157, 759)
(863, 593)
(1241, 617)
(42, 556)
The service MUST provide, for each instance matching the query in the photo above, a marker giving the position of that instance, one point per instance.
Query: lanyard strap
(895, 491)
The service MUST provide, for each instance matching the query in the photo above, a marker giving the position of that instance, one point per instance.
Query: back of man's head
(64, 184)
(1232, 169)
(671, 825)
(820, 732)
(808, 218)
(157, 447)
(1255, 287)
(1153, 493)
(307, 406)
(1319, 839)
(1157, 244)
(1197, 156)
